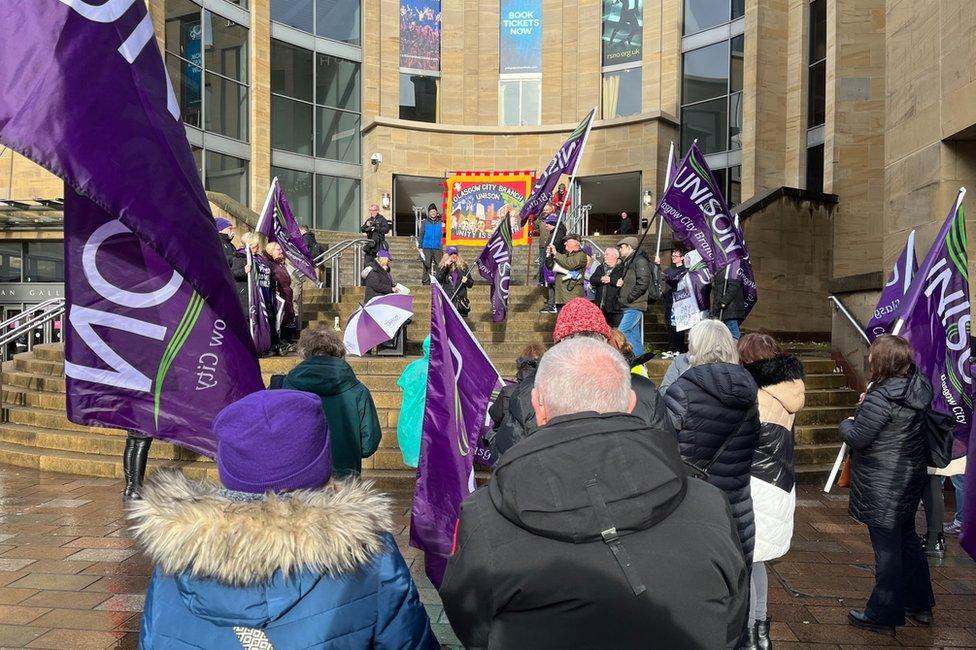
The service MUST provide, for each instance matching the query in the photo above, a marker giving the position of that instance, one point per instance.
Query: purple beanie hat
(221, 224)
(273, 440)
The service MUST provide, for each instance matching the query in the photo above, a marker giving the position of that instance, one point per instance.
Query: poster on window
(623, 31)
(420, 35)
(475, 202)
(520, 36)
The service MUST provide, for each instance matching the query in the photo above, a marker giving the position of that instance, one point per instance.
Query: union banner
(475, 202)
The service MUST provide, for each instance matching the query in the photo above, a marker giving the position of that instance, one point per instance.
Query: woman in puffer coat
(278, 556)
(714, 403)
(782, 393)
(889, 452)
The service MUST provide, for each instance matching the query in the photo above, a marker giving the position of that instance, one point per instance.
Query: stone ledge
(472, 129)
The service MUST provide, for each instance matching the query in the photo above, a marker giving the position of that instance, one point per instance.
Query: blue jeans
(958, 482)
(733, 326)
(630, 325)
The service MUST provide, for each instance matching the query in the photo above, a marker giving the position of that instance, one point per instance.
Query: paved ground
(70, 577)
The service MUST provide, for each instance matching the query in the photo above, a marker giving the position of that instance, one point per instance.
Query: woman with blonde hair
(782, 394)
(713, 407)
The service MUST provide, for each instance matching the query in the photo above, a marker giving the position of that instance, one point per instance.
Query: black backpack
(938, 433)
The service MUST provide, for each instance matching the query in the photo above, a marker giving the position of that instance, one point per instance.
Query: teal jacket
(413, 383)
(354, 428)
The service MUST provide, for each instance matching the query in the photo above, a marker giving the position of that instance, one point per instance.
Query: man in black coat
(621, 551)
(728, 302)
(375, 228)
(604, 282)
(311, 243)
(236, 262)
(626, 225)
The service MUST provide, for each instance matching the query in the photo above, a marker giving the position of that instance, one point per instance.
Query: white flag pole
(667, 182)
(572, 177)
(267, 202)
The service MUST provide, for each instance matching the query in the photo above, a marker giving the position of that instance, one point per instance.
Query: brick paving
(70, 577)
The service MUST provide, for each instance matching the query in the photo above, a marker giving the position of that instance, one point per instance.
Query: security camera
(376, 159)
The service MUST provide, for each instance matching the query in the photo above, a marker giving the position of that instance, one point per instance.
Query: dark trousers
(676, 340)
(901, 575)
(432, 259)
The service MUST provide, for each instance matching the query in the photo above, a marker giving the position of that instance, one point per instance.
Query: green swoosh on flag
(190, 316)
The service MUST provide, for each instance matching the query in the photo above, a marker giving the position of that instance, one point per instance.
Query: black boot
(748, 642)
(134, 465)
(935, 545)
(763, 642)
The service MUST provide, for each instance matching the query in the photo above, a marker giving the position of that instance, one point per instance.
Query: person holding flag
(453, 273)
(495, 265)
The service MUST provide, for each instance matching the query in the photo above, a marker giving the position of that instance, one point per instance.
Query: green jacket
(354, 428)
(567, 290)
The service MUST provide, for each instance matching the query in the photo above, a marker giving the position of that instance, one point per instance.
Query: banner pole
(436, 286)
(667, 182)
(572, 177)
(267, 202)
(836, 468)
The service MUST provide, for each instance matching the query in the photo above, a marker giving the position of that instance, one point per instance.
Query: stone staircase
(38, 434)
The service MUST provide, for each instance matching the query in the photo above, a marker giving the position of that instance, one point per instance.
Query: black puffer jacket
(728, 301)
(520, 421)
(708, 404)
(889, 451)
(531, 569)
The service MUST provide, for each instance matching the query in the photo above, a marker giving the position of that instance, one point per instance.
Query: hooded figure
(620, 551)
(413, 383)
(280, 556)
(354, 426)
(714, 404)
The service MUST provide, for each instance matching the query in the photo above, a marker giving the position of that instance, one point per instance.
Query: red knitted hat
(577, 316)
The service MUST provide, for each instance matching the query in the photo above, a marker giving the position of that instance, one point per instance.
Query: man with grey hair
(604, 281)
(590, 534)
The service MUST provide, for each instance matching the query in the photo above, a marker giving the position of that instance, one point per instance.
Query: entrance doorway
(608, 196)
(411, 197)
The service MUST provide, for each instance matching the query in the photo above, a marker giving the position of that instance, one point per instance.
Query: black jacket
(626, 226)
(532, 570)
(672, 276)
(708, 404)
(499, 408)
(520, 422)
(459, 291)
(375, 229)
(559, 241)
(312, 244)
(378, 282)
(728, 301)
(889, 451)
(637, 280)
(236, 263)
(606, 294)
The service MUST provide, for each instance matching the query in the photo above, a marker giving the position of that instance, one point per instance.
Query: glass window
(734, 195)
(197, 158)
(815, 168)
(521, 102)
(737, 51)
(298, 188)
(228, 175)
(738, 9)
(703, 14)
(226, 107)
(705, 73)
(226, 47)
(707, 122)
(187, 81)
(735, 121)
(622, 93)
(336, 203)
(818, 30)
(338, 20)
(11, 262)
(297, 13)
(45, 262)
(337, 135)
(183, 32)
(291, 125)
(418, 98)
(817, 94)
(336, 82)
(291, 71)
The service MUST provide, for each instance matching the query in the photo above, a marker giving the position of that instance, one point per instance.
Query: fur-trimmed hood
(776, 370)
(193, 529)
(782, 392)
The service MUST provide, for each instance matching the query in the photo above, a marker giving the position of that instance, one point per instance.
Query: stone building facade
(865, 108)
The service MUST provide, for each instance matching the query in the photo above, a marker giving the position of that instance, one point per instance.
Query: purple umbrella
(377, 322)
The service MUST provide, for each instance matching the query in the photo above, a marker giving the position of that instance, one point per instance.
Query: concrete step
(51, 419)
(820, 454)
(813, 474)
(831, 397)
(824, 415)
(815, 434)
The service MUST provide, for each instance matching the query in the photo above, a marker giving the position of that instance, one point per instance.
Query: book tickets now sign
(520, 36)
(475, 202)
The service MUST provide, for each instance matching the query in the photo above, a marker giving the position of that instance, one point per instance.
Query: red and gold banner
(474, 202)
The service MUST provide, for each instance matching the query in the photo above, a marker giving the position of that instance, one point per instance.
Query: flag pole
(267, 202)
(572, 177)
(667, 182)
(728, 267)
(434, 283)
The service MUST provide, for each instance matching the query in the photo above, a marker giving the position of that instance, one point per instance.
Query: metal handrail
(30, 310)
(842, 308)
(30, 323)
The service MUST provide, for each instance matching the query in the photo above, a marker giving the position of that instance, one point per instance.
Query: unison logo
(695, 183)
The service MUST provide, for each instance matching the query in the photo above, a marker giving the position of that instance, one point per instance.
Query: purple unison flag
(460, 381)
(495, 265)
(85, 94)
(565, 161)
(278, 224)
(889, 306)
(144, 350)
(695, 209)
(968, 536)
(741, 270)
(257, 310)
(935, 319)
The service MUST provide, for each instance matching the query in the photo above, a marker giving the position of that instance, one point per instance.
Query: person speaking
(455, 276)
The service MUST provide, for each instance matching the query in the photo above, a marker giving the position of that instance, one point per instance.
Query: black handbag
(694, 471)
(938, 433)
